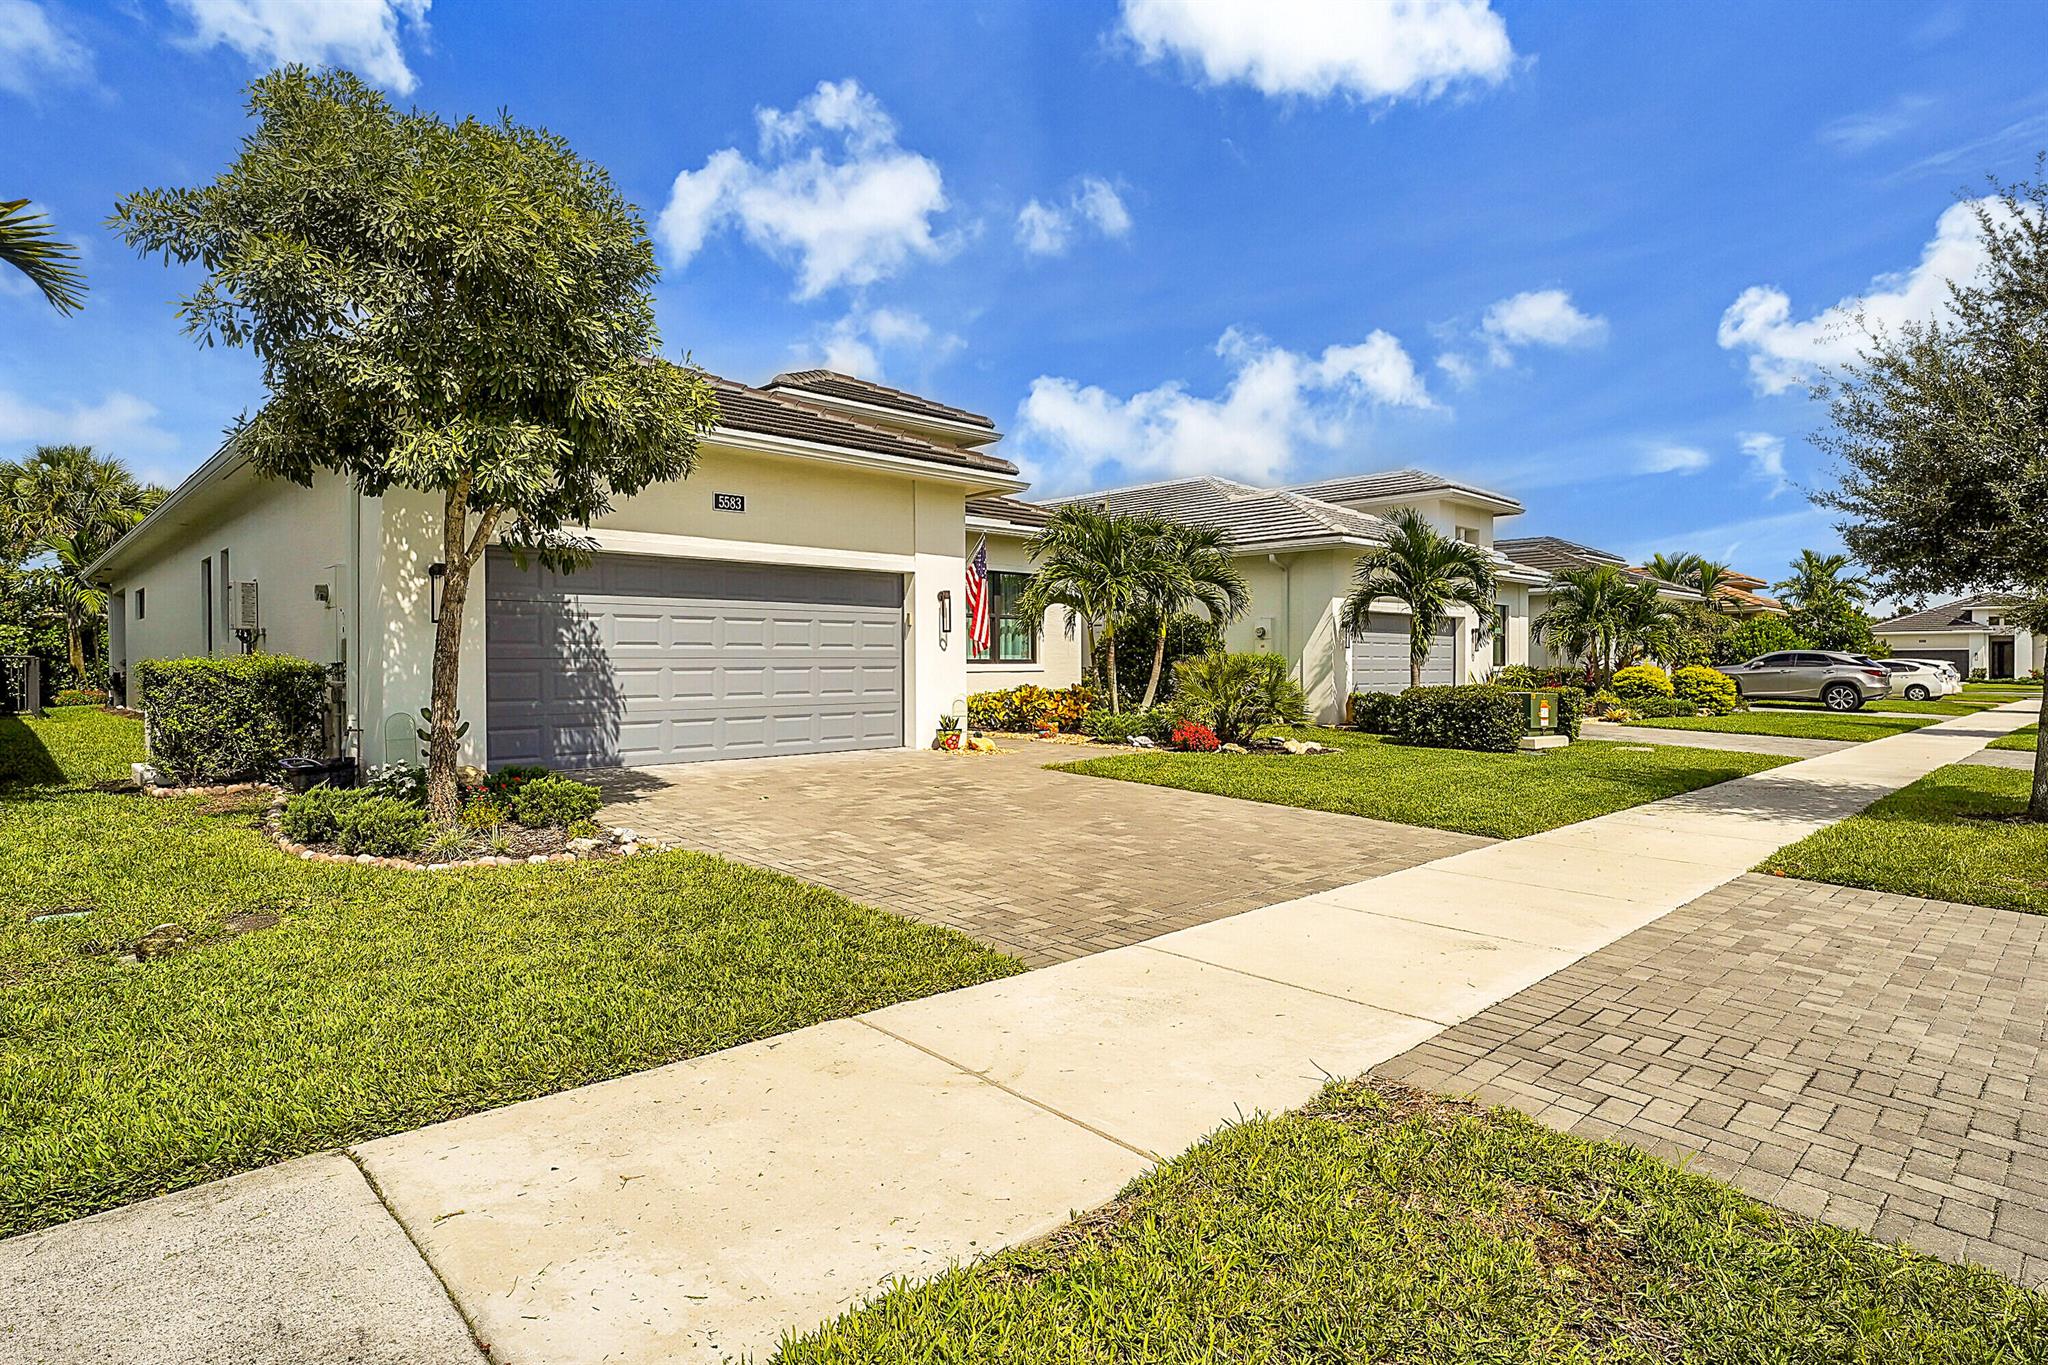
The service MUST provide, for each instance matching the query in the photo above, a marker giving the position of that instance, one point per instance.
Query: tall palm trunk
(2037, 801)
(1414, 671)
(1109, 642)
(1158, 667)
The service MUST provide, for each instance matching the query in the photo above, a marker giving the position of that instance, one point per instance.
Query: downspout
(1286, 610)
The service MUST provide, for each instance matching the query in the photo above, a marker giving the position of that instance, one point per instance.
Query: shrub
(552, 802)
(1604, 701)
(1194, 738)
(1709, 689)
(217, 720)
(1030, 706)
(381, 826)
(1640, 680)
(1120, 727)
(310, 816)
(1374, 712)
(399, 781)
(481, 813)
(78, 696)
(499, 786)
(1649, 707)
(1474, 716)
(1236, 694)
(1758, 635)
(1571, 709)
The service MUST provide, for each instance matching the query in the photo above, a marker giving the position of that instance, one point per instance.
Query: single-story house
(1553, 555)
(1738, 594)
(1972, 633)
(801, 592)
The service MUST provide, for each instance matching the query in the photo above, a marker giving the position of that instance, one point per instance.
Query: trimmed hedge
(1030, 706)
(554, 802)
(1120, 727)
(1641, 680)
(1571, 709)
(1707, 688)
(1374, 712)
(222, 720)
(1475, 716)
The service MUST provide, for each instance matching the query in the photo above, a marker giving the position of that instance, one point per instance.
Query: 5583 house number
(728, 502)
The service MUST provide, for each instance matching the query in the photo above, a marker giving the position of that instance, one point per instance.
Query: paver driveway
(1047, 866)
(1875, 1060)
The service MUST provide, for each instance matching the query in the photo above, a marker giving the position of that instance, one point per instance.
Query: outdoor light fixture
(437, 574)
(945, 612)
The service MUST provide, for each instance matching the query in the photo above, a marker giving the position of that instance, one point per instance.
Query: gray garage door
(637, 660)
(1959, 657)
(1379, 657)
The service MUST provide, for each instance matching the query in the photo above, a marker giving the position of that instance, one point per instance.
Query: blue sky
(1589, 254)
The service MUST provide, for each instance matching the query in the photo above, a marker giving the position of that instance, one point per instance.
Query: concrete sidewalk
(701, 1210)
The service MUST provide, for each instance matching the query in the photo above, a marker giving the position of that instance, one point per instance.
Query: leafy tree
(60, 509)
(1817, 577)
(1428, 572)
(1835, 623)
(1098, 567)
(1187, 636)
(458, 308)
(1675, 568)
(1190, 567)
(1940, 429)
(1759, 635)
(27, 244)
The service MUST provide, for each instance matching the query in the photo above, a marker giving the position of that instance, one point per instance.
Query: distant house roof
(1399, 483)
(1743, 597)
(1948, 616)
(785, 414)
(995, 507)
(1248, 515)
(1555, 555)
(833, 384)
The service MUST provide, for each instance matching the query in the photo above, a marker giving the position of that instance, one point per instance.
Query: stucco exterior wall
(2028, 652)
(1061, 657)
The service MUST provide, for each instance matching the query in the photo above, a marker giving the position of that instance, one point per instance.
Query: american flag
(977, 597)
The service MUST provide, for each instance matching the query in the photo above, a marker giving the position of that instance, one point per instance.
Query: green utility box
(1541, 722)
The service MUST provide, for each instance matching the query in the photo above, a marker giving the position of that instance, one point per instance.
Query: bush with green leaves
(1236, 695)
(1030, 706)
(554, 802)
(79, 696)
(400, 781)
(1121, 727)
(1527, 678)
(1709, 689)
(1758, 635)
(1571, 709)
(381, 826)
(1374, 712)
(1640, 680)
(1657, 708)
(1472, 716)
(221, 720)
(311, 816)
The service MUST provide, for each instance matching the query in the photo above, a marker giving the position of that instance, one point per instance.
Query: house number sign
(728, 502)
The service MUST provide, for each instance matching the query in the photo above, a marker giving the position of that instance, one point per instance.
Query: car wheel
(1841, 697)
(1917, 693)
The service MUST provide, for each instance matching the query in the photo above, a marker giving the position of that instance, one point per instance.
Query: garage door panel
(1379, 657)
(630, 661)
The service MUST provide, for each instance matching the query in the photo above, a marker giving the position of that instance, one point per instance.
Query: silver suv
(1837, 681)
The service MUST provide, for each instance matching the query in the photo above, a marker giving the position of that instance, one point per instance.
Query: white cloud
(1457, 367)
(1784, 353)
(864, 342)
(1048, 229)
(1853, 133)
(119, 424)
(831, 191)
(1538, 317)
(1673, 459)
(1381, 50)
(1766, 459)
(36, 52)
(362, 35)
(1277, 401)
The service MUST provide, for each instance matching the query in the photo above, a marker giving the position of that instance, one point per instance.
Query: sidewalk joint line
(476, 1339)
(1306, 990)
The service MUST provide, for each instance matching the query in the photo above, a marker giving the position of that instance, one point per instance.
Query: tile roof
(1554, 555)
(998, 508)
(1742, 596)
(741, 408)
(1948, 615)
(1396, 483)
(833, 384)
(1248, 515)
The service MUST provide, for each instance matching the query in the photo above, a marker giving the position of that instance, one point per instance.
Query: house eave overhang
(973, 480)
(959, 433)
(225, 462)
(996, 527)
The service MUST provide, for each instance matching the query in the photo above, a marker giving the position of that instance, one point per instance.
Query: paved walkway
(1043, 865)
(1787, 746)
(702, 1209)
(1874, 1060)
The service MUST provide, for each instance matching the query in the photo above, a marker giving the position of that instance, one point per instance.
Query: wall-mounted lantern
(437, 575)
(945, 611)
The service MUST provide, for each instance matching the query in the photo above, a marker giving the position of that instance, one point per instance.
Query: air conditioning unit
(242, 610)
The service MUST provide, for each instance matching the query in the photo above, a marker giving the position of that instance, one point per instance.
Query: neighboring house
(1738, 596)
(1971, 633)
(1297, 549)
(1552, 556)
(802, 591)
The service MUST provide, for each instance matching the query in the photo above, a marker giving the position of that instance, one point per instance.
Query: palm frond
(27, 244)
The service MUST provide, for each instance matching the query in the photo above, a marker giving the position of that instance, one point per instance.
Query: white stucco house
(1972, 633)
(801, 592)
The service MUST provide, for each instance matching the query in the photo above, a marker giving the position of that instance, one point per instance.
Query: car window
(1814, 660)
(1771, 661)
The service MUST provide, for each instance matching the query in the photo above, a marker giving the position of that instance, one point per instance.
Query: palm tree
(1678, 568)
(1428, 571)
(1095, 565)
(67, 506)
(1190, 567)
(1584, 615)
(27, 244)
(1688, 570)
(1645, 622)
(1818, 578)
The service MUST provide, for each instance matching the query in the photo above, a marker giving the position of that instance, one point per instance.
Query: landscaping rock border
(618, 843)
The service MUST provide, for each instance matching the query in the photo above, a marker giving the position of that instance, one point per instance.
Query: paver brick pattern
(1873, 1060)
(1046, 866)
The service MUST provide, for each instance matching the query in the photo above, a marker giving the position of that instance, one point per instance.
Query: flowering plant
(1195, 739)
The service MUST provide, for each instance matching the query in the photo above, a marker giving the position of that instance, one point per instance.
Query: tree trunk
(1158, 667)
(74, 647)
(2037, 801)
(1414, 670)
(444, 740)
(1109, 642)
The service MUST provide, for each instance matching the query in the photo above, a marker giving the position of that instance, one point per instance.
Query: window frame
(1500, 635)
(999, 598)
(206, 599)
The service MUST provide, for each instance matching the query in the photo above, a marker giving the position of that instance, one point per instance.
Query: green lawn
(380, 1000)
(1854, 725)
(1506, 795)
(2019, 739)
(1378, 1224)
(1948, 706)
(1930, 839)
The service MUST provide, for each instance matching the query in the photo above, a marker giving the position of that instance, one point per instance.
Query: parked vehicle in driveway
(1917, 680)
(1951, 675)
(1839, 682)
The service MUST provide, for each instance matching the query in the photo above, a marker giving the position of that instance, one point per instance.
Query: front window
(1013, 639)
(1500, 634)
